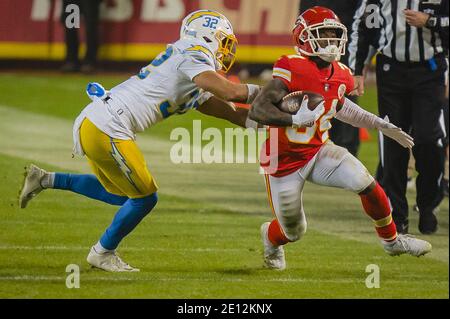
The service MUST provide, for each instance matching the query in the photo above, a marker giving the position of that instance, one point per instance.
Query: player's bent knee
(362, 181)
(360, 178)
(146, 203)
(296, 232)
(290, 203)
(369, 188)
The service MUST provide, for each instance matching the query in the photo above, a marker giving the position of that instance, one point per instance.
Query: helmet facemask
(226, 52)
(327, 40)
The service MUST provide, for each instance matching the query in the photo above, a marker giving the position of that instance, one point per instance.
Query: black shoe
(428, 223)
(88, 68)
(70, 67)
(402, 228)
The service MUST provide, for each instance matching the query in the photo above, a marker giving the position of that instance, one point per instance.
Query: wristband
(253, 91)
(249, 123)
(431, 22)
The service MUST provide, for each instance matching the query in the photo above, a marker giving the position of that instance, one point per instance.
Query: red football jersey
(296, 147)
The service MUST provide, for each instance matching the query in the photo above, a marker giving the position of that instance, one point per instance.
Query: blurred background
(135, 31)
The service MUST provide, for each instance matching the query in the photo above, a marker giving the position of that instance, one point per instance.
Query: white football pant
(331, 166)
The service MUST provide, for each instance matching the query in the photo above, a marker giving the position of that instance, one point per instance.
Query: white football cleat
(406, 244)
(31, 184)
(109, 261)
(273, 256)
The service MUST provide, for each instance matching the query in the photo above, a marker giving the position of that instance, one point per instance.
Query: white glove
(306, 118)
(396, 133)
(96, 91)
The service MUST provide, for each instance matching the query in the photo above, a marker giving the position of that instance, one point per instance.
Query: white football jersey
(161, 89)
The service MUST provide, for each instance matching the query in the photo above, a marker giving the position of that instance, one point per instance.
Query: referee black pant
(90, 10)
(412, 96)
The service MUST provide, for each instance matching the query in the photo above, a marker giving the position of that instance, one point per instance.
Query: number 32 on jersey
(305, 135)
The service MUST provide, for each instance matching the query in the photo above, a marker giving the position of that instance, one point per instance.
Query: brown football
(292, 102)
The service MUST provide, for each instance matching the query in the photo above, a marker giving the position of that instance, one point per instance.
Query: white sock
(100, 249)
(48, 180)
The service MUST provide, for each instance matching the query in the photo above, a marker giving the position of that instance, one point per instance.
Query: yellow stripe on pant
(118, 164)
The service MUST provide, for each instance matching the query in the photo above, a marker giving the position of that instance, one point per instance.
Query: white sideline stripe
(77, 248)
(167, 279)
(109, 279)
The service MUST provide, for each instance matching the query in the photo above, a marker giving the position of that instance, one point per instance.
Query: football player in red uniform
(304, 151)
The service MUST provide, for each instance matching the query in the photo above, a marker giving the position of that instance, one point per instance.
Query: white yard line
(81, 248)
(152, 279)
(139, 277)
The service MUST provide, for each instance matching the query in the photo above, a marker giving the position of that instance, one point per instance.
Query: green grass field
(202, 240)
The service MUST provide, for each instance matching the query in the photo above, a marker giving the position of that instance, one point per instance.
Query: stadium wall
(137, 30)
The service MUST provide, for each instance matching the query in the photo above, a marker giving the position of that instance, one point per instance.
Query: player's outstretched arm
(224, 110)
(354, 115)
(224, 89)
(264, 109)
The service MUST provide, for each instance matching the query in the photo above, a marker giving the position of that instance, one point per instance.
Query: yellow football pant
(118, 164)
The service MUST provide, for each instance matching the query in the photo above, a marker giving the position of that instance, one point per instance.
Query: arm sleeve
(281, 70)
(361, 35)
(354, 115)
(196, 62)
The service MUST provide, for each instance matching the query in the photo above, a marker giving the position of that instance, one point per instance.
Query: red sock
(376, 204)
(276, 235)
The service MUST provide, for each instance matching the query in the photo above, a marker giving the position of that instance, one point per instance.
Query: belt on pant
(427, 63)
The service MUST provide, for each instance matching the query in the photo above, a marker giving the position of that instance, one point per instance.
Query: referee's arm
(434, 22)
(364, 31)
(442, 20)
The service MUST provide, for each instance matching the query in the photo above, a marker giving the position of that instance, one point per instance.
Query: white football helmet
(216, 31)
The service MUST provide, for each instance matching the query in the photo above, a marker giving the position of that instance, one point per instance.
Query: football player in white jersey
(183, 77)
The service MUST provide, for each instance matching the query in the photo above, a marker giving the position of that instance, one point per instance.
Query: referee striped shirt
(382, 23)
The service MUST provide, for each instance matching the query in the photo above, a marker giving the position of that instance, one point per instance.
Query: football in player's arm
(265, 108)
(265, 111)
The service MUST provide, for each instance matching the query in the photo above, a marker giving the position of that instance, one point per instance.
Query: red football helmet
(309, 36)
